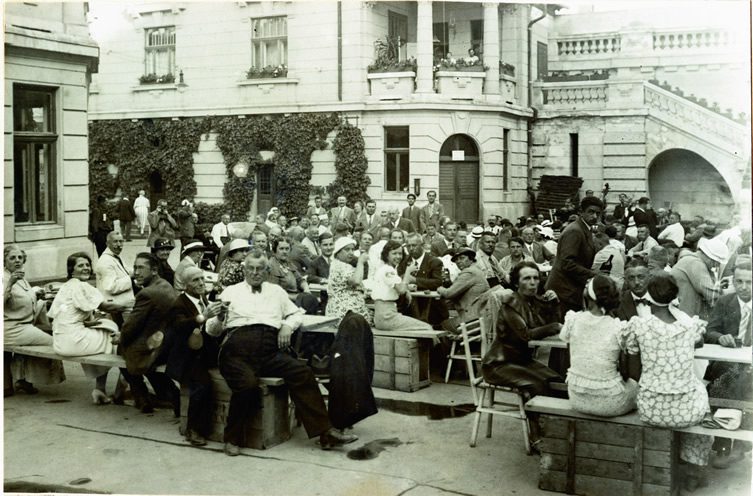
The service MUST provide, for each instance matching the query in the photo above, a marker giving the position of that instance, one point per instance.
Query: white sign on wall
(458, 154)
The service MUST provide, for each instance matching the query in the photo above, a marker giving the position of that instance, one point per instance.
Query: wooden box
(591, 457)
(401, 364)
(269, 427)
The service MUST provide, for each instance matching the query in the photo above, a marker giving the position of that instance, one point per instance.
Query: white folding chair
(473, 335)
(510, 404)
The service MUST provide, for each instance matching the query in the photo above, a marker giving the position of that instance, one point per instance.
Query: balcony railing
(589, 46)
(691, 40)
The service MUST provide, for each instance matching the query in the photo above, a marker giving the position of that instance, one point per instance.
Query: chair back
(473, 332)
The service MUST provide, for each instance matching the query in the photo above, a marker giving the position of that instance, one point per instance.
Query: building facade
(49, 59)
(597, 107)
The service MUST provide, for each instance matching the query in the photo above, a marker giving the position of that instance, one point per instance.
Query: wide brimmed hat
(342, 242)
(193, 245)
(237, 244)
(477, 231)
(464, 251)
(714, 249)
(162, 243)
(547, 232)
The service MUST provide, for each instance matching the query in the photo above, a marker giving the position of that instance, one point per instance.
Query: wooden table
(425, 294)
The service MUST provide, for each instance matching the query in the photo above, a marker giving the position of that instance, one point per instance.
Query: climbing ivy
(351, 180)
(140, 148)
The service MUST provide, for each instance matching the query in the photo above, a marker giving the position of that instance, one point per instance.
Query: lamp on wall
(417, 186)
(240, 169)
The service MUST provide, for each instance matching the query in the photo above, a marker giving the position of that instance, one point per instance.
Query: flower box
(391, 85)
(460, 85)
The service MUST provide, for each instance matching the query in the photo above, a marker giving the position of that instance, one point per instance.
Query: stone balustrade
(589, 45)
(684, 40)
(573, 95)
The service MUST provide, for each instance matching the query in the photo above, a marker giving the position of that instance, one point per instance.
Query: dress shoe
(195, 438)
(100, 398)
(335, 437)
(25, 387)
(231, 449)
(144, 404)
(726, 457)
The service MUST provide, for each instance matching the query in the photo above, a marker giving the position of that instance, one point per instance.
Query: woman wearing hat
(76, 331)
(670, 394)
(694, 274)
(345, 284)
(387, 288)
(231, 270)
(161, 249)
(193, 251)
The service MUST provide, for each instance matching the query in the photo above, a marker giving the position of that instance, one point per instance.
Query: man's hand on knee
(283, 337)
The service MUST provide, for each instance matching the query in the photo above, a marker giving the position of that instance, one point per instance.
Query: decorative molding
(157, 88)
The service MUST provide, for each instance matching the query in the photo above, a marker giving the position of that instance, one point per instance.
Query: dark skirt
(532, 377)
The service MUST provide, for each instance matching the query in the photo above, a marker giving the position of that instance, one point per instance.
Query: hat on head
(162, 243)
(477, 231)
(547, 232)
(193, 245)
(644, 199)
(714, 249)
(237, 244)
(464, 251)
(185, 203)
(342, 243)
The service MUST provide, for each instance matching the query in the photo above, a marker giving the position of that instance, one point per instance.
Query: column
(424, 48)
(491, 48)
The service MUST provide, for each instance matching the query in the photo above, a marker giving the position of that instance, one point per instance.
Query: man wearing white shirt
(220, 233)
(260, 319)
(674, 230)
(644, 245)
(633, 301)
(113, 279)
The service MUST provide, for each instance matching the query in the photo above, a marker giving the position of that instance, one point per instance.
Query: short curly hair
(388, 247)
(515, 273)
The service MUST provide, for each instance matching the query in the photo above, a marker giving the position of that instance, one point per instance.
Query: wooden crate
(269, 427)
(592, 457)
(401, 364)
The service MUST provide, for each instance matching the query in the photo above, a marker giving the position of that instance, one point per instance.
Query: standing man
(433, 211)
(397, 222)
(644, 214)
(696, 278)
(342, 213)
(260, 319)
(143, 334)
(414, 214)
(113, 279)
(575, 256)
(127, 215)
(370, 220)
(100, 224)
(161, 224)
(187, 220)
(622, 209)
(317, 209)
(220, 233)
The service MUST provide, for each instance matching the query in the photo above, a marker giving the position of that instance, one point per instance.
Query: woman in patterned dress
(594, 384)
(670, 394)
(231, 270)
(345, 284)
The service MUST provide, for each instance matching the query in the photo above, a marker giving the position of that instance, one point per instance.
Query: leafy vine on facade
(351, 179)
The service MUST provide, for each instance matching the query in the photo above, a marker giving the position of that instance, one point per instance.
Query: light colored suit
(114, 281)
(433, 213)
(345, 214)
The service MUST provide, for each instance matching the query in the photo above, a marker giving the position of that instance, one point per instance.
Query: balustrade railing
(589, 46)
(691, 40)
(570, 95)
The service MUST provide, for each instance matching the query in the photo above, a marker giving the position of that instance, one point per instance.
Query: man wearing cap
(433, 211)
(644, 214)
(472, 239)
(259, 320)
(466, 289)
(161, 249)
(113, 279)
(191, 353)
(414, 214)
(220, 231)
(191, 256)
(696, 280)
(425, 271)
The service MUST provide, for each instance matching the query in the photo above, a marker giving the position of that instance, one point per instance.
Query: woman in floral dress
(670, 394)
(345, 283)
(594, 384)
(231, 270)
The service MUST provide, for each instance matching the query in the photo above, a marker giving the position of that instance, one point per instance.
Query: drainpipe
(529, 102)
(339, 51)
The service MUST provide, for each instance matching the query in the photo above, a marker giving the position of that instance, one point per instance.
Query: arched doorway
(266, 188)
(689, 184)
(458, 178)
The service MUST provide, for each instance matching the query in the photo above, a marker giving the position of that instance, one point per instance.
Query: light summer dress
(342, 297)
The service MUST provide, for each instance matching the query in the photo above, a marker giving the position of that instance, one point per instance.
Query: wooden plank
(604, 433)
(428, 334)
(550, 461)
(657, 439)
(401, 347)
(603, 468)
(604, 452)
(656, 476)
(555, 427)
(592, 485)
(638, 463)
(554, 446)
(656, 490)
(398, 365)
(656, 458)
(550, 480)
(739, 435)
(571, 446)
(561, 407)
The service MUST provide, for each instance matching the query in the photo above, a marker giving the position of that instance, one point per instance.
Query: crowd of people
(631, 290)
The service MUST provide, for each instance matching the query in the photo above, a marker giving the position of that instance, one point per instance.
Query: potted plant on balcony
(155, 79)
(460, 78)
(389, 77)
(270, 71)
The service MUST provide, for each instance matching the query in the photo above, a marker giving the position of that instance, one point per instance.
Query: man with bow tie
(632, 301)
(113, 279)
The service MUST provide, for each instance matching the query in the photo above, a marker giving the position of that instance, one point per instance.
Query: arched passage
(690, 184)
(459, 178)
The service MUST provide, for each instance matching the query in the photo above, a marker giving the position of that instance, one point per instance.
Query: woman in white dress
(75, 329)
(141, 207)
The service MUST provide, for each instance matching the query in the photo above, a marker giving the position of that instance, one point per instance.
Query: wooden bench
(585, 454)
(269, 427)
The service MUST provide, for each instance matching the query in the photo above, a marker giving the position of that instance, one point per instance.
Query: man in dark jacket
(126, 214)
(632, 301)
(425, 271)
(143, 333)
(414, 214)
(100, 225)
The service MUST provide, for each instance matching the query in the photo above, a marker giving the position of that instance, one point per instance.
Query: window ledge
(266, 81)
(158, 87)
(38, 232)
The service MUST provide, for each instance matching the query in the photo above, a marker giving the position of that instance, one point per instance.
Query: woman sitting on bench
(662, 352)
(594, 384)
(75, 329)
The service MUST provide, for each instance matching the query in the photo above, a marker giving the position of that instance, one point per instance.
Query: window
(397, 158)
(34, 143)
(574, 154)
(506, 160)
(269, 42)
(542, 60)
(397, 28)
(442, 34)
(160, 51)
(477, 36)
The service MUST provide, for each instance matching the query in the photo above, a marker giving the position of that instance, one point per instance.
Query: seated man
(260, 319)
(466, 289)
(425, 272)
(644, 244)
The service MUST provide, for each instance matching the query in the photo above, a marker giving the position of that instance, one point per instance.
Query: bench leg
(524, 420)
(477, 419)
(489, 417)
(449, 362)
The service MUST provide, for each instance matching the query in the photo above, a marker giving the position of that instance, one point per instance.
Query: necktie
(371, 219)
(641, 301)
(120, 262)
(745, 325)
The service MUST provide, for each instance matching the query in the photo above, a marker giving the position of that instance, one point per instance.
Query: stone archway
(690, 184)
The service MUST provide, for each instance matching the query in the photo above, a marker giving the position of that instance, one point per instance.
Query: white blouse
(383, 284)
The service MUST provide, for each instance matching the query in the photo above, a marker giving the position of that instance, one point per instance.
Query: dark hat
(162, 243)
(644, 199)
(193, 245)
(464, 251)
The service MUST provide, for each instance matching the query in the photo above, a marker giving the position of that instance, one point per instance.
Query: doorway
(265, 188)
(156, 188)
(459, 178)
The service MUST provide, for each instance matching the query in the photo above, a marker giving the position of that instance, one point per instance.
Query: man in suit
(414, 214)
(534, 249)
(126, 214)
(575, 255)
(143, 333)
(466, 289)
(369, 220)
(486, 260)
(298, 256)
(318, 272)
(433, 211)
(342, 213)
(397, 222)
(191, 353)
(311, 241)
(425, 271)
(193, 251)
(622, 209)
(632, 301)
(694, 274)
(441, 246)
(644, 214)
(113, 279)
(317, 209)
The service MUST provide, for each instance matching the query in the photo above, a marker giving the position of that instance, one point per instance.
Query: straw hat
(342, 243)
(714, 249)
